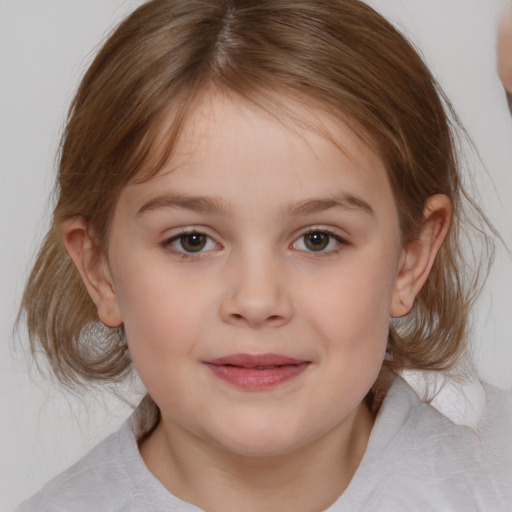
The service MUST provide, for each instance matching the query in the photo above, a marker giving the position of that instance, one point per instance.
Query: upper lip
(255, 360)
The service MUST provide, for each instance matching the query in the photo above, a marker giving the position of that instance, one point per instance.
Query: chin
(259, 447)
(259, 439)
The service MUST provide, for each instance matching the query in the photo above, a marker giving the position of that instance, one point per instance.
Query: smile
(256, 372)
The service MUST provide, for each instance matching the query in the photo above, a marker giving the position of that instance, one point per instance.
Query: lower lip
(257, 379)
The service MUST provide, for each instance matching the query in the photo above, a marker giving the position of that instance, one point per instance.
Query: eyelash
(340, 242)
(183, 253)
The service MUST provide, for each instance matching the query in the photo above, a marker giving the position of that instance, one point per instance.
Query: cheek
(349, 313)
(162, 315)
(162, 329)
(353, 302)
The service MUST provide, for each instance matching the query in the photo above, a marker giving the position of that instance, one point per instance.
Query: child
(248, 192)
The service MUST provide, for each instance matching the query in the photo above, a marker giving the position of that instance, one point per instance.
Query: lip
(256, 371)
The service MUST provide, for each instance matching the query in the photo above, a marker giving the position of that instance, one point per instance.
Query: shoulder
(99, 478)
(498, 403)
(106, 479)
(480, 427)
(425, 457)
(494, 433)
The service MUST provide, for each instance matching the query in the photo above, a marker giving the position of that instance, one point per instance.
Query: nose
(257, 294)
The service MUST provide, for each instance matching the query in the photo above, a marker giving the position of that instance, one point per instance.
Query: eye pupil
(316, 241)
(193, 242)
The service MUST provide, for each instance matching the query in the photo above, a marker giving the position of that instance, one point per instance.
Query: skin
(257, 287)
(505, 49)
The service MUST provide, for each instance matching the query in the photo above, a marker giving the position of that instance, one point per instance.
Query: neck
(306, 479)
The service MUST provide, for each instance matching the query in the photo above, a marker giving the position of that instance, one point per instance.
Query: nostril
(272, 319)
(255, 310)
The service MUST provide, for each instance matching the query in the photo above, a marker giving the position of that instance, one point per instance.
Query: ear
(418, 257)
(93, 268)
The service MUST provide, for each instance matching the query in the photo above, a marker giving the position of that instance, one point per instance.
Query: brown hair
(340, 55)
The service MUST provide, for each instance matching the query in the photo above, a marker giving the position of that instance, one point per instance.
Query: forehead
(229, 147)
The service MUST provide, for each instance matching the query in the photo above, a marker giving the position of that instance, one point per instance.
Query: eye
(192, 242)
(318, 241)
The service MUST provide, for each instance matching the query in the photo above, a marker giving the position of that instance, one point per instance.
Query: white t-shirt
(416, 460)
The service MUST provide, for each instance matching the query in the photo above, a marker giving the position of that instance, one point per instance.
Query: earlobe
(93, 268)
(418, 257)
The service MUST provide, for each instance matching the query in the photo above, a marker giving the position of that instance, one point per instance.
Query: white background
(45, 46)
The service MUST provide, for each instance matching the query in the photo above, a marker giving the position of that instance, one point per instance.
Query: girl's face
(255, 278)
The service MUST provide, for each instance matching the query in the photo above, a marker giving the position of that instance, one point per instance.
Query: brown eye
(190, 244)
(322, 242)
(316, 241)
(193, 242)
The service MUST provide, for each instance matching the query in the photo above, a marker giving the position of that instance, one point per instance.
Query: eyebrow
(341, 201)
(209, 205)
(198, 204)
